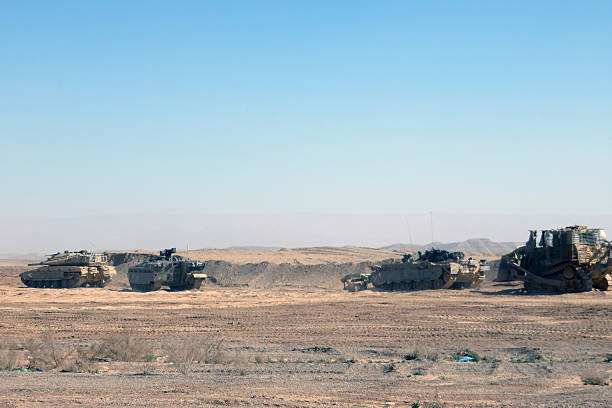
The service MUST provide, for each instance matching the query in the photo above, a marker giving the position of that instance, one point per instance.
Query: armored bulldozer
(433, 269)
(570, 259)
(70, 270)
(176, 272)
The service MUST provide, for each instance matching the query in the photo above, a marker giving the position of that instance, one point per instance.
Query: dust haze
(46, 234)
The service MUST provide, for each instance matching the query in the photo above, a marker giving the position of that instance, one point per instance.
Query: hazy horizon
(153, 232)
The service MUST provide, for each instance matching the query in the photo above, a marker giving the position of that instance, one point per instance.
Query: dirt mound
(267, 275)
(122, 260)
(320, 267)
(303, 256)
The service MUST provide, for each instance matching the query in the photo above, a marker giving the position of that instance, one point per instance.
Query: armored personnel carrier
(571, 259)
(70, 270)
(174, 271)
(433, 269)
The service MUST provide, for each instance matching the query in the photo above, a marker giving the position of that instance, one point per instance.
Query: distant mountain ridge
(256, 248)
(478, 245)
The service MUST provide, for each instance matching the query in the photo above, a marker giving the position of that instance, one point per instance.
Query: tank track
(569, 282)
(413, 285)
(196, 284)
(147, 287)
(53, 283)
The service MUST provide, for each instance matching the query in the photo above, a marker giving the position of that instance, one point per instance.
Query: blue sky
(305, 107)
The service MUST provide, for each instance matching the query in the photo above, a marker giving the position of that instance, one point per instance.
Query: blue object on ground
(39, 369)
(464, 359)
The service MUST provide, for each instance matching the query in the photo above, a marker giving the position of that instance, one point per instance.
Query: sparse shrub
(82, 360)
(125, 346)
(8, 358)
(412, 356)
(188, 353)
(593, 380)
(490, 359)
(528, 355)
(389, 368)
(418, 371)
(432, 357)
(48, 353)
(423, 353)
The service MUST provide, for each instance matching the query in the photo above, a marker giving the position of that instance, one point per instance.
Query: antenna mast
(431, 227)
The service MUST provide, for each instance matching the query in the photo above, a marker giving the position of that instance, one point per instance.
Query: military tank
(167, 269)
(432, 269)
(70, 270)
(570, 259)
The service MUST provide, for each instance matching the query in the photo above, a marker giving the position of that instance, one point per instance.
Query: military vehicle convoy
(571, 259)
(176, 272)
(433, 269)
(70, 270)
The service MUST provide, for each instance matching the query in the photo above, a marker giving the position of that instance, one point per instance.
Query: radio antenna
(431, 227)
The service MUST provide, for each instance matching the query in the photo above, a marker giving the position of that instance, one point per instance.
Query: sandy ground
(304, 347)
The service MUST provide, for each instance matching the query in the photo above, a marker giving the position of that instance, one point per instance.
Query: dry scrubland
(291, 344)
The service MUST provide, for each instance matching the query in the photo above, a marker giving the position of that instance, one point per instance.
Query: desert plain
(289, 336)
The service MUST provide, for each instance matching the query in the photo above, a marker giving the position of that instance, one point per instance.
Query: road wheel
(569, 272)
